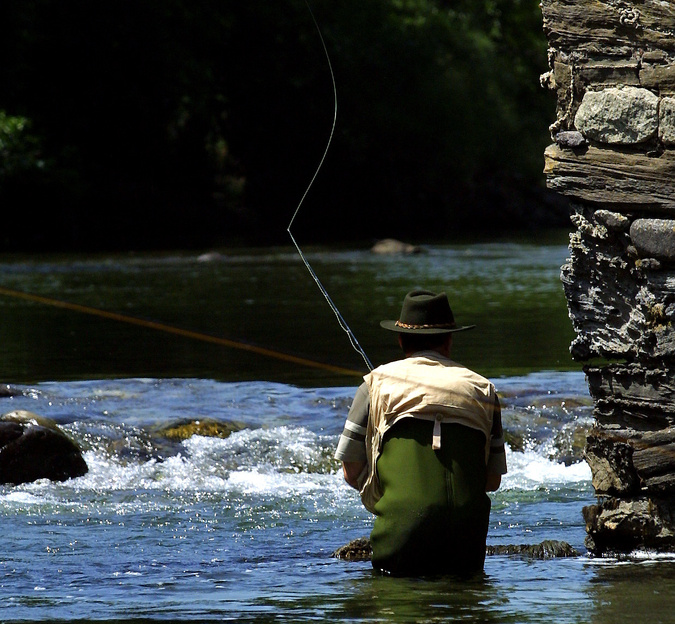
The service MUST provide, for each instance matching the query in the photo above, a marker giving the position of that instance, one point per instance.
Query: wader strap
(437, 419)
(436, 443)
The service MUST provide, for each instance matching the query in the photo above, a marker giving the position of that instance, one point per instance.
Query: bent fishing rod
(341, 321)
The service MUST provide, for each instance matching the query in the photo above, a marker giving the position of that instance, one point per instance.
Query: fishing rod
(341, 321)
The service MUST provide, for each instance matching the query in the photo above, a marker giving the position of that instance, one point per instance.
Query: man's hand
(352, 470)
(494, 480)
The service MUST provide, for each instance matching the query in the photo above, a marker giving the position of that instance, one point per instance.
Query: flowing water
(242, 528)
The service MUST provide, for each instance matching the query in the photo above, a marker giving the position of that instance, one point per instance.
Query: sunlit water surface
(242, 528)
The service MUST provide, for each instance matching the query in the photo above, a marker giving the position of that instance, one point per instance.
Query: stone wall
(612, 67)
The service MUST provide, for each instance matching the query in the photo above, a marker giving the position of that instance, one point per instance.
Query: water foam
(531, 469)
(280, 461)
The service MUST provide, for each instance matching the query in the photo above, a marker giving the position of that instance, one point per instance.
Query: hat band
(437, 326)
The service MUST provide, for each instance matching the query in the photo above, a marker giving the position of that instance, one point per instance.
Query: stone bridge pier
(612, 68)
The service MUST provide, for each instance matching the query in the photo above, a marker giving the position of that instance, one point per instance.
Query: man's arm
(351, 450)
(497, 459)
(351, 471)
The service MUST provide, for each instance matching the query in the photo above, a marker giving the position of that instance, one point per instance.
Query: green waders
(433, 515)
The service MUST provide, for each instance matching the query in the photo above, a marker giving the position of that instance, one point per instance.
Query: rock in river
(388, 246)
(32, 448)
(360, 550)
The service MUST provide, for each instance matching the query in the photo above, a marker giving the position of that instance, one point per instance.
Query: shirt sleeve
(497, 458)
(352, 443)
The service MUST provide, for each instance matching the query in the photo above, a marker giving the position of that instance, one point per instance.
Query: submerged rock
(357, 550)
(207, 427)
(392, 246)
(32, 448)
(165, 440)
(360, 550)
(7, 391)
(209, 256)
(548, 549)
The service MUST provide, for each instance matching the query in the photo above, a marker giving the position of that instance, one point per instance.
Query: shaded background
(152, 124)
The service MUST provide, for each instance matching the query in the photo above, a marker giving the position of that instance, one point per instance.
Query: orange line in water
(186, 333)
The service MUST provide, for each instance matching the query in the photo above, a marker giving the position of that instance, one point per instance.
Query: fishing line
(343, 324)
(170, 329)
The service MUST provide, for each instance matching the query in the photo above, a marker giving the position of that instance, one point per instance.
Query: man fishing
(423, 443)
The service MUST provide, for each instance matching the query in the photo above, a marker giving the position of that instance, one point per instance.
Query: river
(242, 528)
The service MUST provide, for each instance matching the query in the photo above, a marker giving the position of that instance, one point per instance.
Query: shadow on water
(643, 590)
(372, 598)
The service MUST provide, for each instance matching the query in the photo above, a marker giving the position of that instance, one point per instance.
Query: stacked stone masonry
(612, 68)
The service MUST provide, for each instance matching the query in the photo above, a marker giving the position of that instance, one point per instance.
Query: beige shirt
(426, 386)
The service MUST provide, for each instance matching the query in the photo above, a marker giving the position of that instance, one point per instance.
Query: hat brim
(392, 326)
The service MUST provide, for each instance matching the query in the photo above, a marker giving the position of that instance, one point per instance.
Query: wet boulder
(207, 427)
(360, 550)
(32, 448)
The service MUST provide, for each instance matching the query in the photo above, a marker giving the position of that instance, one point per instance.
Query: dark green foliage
(175, 123)
(19, 150)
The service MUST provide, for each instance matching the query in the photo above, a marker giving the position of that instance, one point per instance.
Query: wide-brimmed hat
(425, 312)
